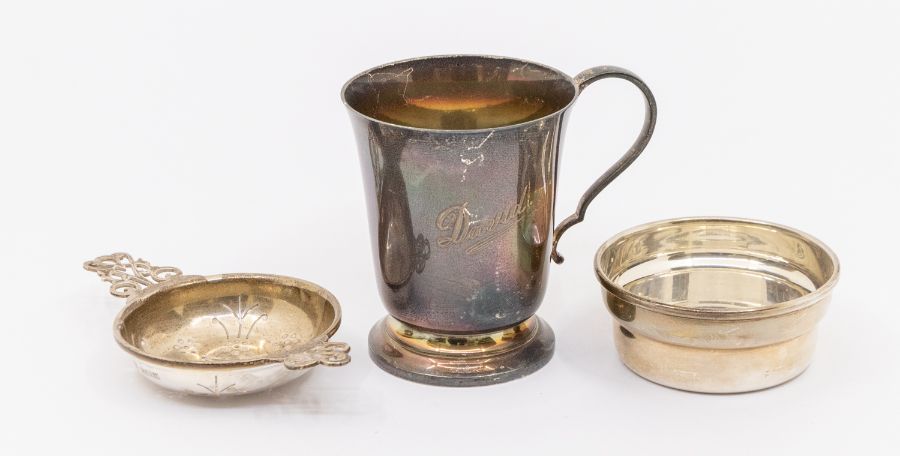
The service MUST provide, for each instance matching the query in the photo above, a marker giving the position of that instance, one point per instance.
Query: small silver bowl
(716, 305)
(220, 335)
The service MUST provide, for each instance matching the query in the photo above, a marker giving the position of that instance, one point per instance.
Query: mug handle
(584, 79)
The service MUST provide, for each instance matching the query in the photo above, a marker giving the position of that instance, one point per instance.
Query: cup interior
(459, 92)
(716, 265)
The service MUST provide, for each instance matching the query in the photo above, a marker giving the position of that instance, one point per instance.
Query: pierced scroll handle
(127, 276)
(325, 354)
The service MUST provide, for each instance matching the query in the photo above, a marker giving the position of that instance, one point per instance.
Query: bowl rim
(138, 300)
(659, 306)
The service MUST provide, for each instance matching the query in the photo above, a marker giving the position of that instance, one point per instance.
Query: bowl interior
(716, 265)
(227, 320)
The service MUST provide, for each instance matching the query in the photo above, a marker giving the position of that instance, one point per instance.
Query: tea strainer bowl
(220, 335)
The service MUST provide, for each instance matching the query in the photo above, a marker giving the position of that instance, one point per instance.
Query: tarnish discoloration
(465, 160)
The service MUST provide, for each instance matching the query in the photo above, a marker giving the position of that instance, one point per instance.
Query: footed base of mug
(461, 359)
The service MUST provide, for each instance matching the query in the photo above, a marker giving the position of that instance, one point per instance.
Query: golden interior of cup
(227, 319)
(459, 92)
(716, 266)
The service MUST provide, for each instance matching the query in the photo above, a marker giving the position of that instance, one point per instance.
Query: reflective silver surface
(716, 305)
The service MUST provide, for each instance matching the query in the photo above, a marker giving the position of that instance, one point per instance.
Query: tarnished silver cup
(459, 157)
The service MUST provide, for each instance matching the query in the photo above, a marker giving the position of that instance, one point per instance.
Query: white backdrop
(211, 136)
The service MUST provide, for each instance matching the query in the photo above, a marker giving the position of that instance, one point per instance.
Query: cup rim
(660, 306)
(549, 68)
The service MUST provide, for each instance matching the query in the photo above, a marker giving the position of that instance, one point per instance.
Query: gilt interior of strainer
(234, 318)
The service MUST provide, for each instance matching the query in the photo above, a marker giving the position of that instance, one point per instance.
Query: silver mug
(459, 157)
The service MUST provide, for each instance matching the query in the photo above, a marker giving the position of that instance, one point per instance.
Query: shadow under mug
(459, 160)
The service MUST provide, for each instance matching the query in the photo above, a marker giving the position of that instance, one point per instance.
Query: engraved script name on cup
(460, 226)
